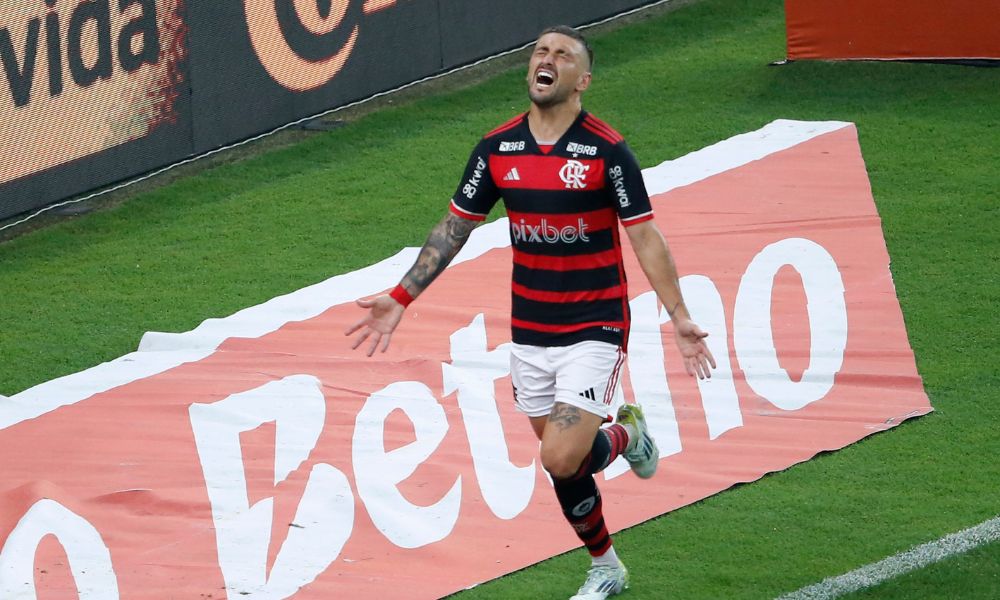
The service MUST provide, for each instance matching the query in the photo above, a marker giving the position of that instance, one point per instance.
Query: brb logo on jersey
(574, 174)
(577, 148)
(303, 44)
(512, 146)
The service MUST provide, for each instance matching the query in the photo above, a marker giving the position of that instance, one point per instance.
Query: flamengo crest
(573, 174)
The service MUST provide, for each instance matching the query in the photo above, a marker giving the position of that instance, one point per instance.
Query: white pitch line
(904, 562)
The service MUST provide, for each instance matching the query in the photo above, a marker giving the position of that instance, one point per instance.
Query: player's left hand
(691, 342)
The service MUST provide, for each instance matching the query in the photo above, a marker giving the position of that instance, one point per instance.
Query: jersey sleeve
(627, 189)
(477, 192)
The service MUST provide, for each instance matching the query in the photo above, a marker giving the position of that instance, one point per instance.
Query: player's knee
(559, 463)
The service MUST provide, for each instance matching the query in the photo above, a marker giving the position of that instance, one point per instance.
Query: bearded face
(557, 70)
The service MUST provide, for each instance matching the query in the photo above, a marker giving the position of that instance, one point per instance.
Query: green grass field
(82, 291)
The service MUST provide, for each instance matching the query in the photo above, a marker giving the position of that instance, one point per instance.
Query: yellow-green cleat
(642, 454)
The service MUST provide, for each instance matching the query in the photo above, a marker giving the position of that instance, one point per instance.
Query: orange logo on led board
(293, 68)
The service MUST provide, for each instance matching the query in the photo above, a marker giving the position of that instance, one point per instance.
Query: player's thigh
(534, 380)
(588, 376)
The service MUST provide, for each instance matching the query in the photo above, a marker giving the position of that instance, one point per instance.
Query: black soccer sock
(609, 443)
(581, 504)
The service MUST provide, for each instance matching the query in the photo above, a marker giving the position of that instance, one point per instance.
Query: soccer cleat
(642, 454)
(603, 581)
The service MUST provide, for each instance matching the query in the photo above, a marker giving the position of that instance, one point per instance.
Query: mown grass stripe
(898, 564)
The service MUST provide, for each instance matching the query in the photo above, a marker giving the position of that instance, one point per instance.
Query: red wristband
(399, 294)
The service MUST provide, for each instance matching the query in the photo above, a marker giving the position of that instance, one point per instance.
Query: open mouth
(544, 78)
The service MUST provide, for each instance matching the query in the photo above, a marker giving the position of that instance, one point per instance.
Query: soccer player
(567, 179)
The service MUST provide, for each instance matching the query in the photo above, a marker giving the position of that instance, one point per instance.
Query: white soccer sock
(608, 559)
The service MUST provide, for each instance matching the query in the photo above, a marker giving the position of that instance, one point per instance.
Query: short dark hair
(573, 33)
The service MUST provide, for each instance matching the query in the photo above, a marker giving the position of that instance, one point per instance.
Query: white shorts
(584, 375)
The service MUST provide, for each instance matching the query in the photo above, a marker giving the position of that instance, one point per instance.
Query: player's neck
(548, 124)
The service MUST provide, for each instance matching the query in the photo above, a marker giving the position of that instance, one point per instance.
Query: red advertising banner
(887, 29)
(259, 457)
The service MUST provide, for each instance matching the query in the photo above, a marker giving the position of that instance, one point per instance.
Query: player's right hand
(382, 316)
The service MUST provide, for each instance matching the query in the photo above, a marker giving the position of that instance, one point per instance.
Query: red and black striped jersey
(564, 203)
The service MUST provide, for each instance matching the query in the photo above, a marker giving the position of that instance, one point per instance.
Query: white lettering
(89, 557)
(718, 393)
(473, 371)
(649, 378)
(753, 338)
(512, 146)
(618, 183)
(550, 234)
(324, 518)
(470, 188)
(577, 148)
(377, 473)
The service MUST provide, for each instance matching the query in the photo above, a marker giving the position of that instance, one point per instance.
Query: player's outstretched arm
(658, 265)
(384, 312)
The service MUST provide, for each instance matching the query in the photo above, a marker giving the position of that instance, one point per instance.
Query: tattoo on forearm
(564, 416)
(443, 243)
